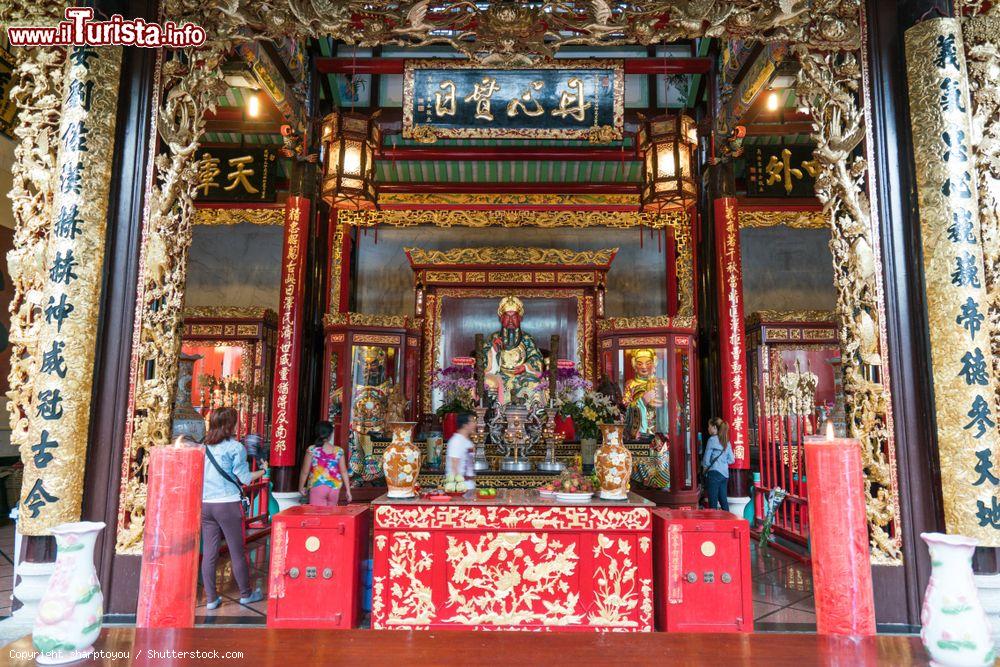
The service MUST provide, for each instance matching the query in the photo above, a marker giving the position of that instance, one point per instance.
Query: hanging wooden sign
(781, 171)
(572, 99)
(235, 175)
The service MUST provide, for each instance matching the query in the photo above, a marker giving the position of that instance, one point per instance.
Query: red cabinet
(316, 562)
(702, 571)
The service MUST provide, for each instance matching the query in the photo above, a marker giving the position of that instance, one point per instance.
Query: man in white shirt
(461, 451)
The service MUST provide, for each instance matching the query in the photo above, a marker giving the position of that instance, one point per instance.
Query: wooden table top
(287, 648)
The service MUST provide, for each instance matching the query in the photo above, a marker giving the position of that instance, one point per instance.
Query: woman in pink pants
(324, 469)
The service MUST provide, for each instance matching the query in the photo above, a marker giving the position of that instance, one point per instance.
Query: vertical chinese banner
(52, 490)
(732, 352)
(961, 359)
(284, 411)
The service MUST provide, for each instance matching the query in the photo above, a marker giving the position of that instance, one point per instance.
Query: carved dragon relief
(824, 35)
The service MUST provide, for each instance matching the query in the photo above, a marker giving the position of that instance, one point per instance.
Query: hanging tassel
(659, 244)
(640, 237)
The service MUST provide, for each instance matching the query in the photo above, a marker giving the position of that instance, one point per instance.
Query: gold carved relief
(510, 255)
(792, 219)
(829, 83)
(235, 216)
(363, 320)
(644, 322)
(511, 218)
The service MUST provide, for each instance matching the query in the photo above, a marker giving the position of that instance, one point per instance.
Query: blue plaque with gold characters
(566, 99)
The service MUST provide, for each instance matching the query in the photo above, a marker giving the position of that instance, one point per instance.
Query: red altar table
(516, 561)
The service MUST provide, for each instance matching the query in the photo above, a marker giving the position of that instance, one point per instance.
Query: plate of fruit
(486, 494)
(571, 486)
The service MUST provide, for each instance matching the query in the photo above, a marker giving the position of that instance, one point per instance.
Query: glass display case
(368, 377)
(653, 368)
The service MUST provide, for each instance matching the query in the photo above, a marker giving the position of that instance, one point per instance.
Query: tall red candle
(168, 582)
(838, 529)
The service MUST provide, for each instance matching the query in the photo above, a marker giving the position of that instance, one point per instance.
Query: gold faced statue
(644, 363)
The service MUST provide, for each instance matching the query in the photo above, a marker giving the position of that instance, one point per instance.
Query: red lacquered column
(842, 573)
(169, 580)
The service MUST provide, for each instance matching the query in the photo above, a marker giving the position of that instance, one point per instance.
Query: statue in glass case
(371, 392)
(513, 363)
(644, 395)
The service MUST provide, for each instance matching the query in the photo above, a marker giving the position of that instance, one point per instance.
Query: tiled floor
(231, 612)
(6, 567)
(782, 593)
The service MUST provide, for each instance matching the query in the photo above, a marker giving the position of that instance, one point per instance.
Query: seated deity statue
(643, 395)
(371, 393)
(514, 367)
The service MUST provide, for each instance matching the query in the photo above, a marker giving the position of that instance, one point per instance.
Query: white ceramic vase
(954, 628)
(70, 612)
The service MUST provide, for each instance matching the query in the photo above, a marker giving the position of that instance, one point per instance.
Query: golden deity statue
(643, 395)
(513, 363)
(371, 392)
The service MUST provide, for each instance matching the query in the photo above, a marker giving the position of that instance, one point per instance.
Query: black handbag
(244, 501)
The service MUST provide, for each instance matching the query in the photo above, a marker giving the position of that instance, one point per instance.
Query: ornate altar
(457, 292)
(652, 362)
(371, 374)
(236, 346)
(794, 386)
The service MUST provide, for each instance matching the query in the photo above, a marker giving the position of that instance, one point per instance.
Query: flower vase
(954, 628)
(613, 463)
(70, 612)
(401, 461)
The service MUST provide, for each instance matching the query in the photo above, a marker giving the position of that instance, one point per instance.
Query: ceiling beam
(395, 65)
(561, 153)
(514, 188)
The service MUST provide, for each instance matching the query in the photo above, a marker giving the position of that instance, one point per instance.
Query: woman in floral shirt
(324, 469)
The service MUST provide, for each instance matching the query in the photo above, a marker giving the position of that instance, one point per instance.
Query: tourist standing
(324, 470)
(226, 472)
(460, 450)
(715, 462)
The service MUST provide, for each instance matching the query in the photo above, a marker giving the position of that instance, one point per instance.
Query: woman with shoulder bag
(226, 472)
(715, 462)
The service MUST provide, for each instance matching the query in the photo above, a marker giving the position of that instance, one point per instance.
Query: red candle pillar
(284, 411)
(168, 581)
(732, 352)
(838, 529)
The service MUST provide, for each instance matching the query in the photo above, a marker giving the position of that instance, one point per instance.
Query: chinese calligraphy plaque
(781, 171)
(956, 300)
(235, 174)
(567, 100)
(55, 455)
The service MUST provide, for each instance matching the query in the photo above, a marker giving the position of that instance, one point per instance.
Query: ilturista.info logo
(80, 29)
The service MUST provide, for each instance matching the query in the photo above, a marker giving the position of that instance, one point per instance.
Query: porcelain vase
(954, 628)
(70, 612)
(613, 463)
(401, 461)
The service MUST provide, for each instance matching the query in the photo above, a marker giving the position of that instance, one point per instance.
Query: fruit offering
(570, 481)
(454, 484)
(486, 493)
